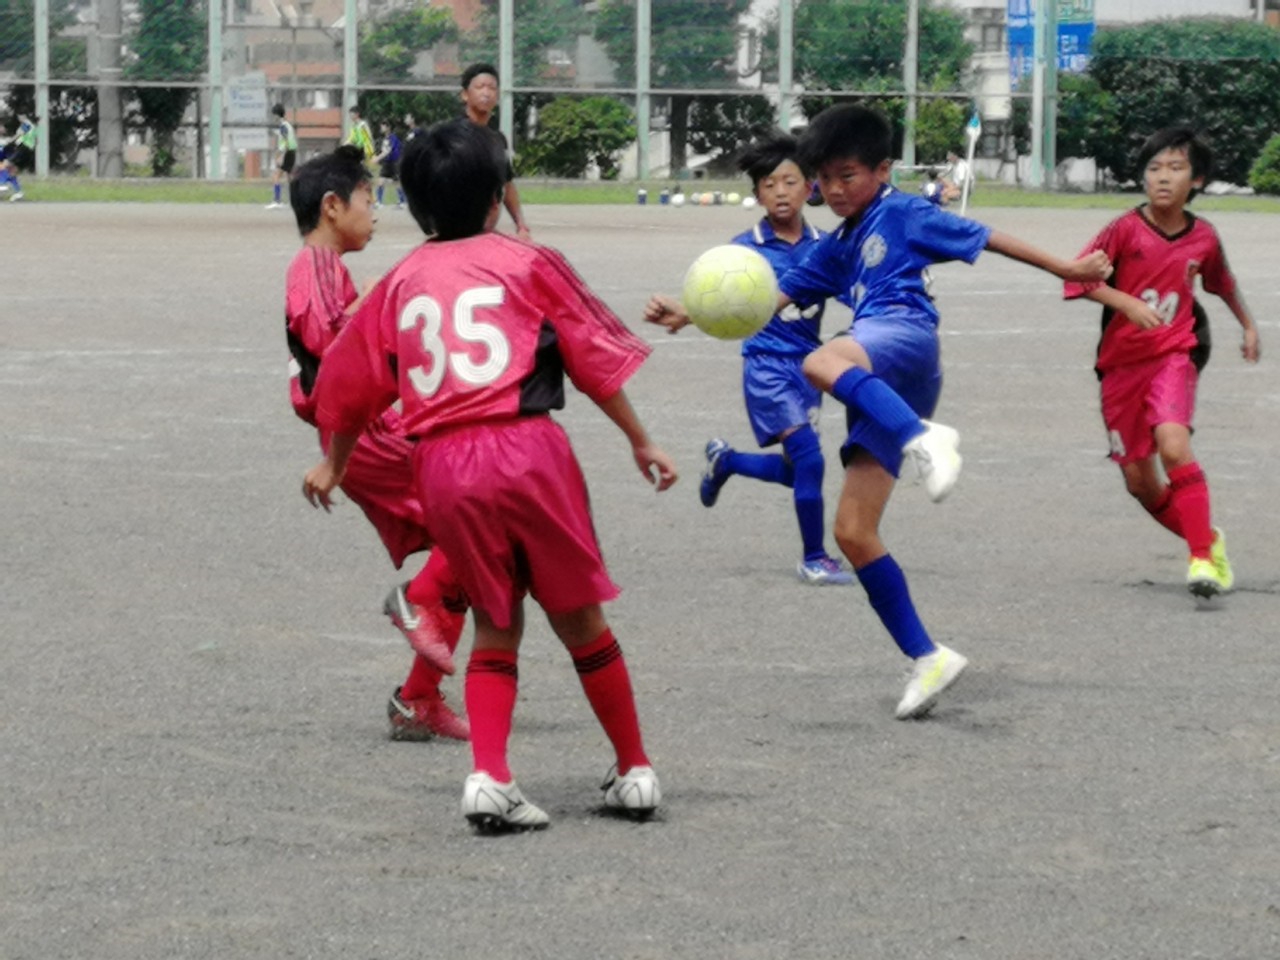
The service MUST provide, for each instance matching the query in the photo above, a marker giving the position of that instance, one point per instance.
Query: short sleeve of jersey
(319, 291)
(939, 236)
(1108, 241)
(600, 354)
(358, 377)
(1215, 274)
(817, 276)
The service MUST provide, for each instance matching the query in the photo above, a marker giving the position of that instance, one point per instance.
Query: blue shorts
(777, 395)
(903, 348)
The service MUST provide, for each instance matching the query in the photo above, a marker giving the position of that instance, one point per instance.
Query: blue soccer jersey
(876, 263)
(794, 331)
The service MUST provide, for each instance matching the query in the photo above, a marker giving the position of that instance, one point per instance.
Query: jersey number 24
(1166, 306)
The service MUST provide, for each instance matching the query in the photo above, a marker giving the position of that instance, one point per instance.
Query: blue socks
(879, 402)
(805, 453)
(275, 192)
(886, 588)
(381, 188)
(801, 469)
(769, 467)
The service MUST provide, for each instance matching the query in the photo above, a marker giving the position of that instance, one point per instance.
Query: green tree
(939, 129)
(540, 26)
(169, 45)
(858, 45)
(694, 44)
(1264, 176)
(389, 48)
(1218, 75)
(574, 132)
(723, 126)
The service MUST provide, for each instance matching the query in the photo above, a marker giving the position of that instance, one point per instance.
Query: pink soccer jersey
(1160, 269)
(318, 291)
(464, 332)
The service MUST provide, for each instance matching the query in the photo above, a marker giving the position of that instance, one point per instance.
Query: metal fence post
(215, 89)
(42, 88)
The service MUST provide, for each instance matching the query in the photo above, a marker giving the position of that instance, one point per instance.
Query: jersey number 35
(426, 312)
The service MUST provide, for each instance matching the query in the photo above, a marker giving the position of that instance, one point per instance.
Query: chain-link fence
(612, 88)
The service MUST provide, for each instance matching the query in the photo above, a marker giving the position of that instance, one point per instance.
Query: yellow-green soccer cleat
(930, 676)
(1218, 554)
(1203, 579)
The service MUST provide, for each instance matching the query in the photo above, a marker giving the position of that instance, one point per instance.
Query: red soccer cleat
(431, 631)
(424, 719)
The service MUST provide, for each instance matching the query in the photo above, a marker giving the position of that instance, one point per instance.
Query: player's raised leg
(842, 368)
(867, 488)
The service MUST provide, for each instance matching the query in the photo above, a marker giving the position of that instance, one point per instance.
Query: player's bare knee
(821, 369)
(859, 545)
(579, 627)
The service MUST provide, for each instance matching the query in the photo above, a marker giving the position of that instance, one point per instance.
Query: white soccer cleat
(493, 807)
(636, 793)
(937, 458)
(930, 676)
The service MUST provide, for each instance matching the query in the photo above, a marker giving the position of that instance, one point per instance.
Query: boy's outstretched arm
(1092, 267)
(328, 473)
(666, 312)
(669, 312)
(648, 456)
(1250, 348)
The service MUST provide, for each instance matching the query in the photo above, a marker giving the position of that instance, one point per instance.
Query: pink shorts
(1138, 397)
(509, 507)
(379, 480)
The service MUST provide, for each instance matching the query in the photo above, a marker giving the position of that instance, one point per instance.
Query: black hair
(475, 70)
(278, 110)
(1178, 138)
(765, 155)
(339, 173)
(451, 175)
(848, 131)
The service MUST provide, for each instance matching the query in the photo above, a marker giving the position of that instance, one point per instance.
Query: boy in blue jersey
(781, 404)
(885, 369)
(388, 161)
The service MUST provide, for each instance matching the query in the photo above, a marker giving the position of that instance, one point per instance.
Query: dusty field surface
(194, 666)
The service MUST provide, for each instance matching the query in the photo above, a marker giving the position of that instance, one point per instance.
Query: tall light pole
(110, 114)
(1037, 94)
(215, 89)
(910, 69)
(41, 119)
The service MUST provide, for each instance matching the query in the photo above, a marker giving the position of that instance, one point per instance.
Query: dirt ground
(194, 666)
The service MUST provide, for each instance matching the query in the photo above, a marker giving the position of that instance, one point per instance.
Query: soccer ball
(677, 199)
(730, 292)
(748, 202)
(732, 199)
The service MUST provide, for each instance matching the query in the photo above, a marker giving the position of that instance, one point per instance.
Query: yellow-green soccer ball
(730, 292)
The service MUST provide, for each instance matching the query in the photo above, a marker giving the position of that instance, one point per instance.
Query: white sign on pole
(248, 116)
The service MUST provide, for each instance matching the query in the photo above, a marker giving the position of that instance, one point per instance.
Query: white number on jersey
(1166, 306)
(427, 312)
(792, 312)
